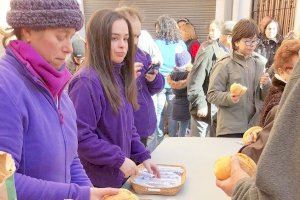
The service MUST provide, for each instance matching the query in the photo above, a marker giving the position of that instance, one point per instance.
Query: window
(282, 11)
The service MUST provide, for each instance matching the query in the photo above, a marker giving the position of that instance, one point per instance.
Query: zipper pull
(61, 116)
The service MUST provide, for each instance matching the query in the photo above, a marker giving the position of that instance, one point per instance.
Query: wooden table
(198, 155)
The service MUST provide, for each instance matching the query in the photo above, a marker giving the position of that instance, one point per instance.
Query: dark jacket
(145, 117)
(272, 99)
(193, 46)
(278, 171)
(255, 149)
(267, 116)
(178, 82)
(199, 77)
(268, 48)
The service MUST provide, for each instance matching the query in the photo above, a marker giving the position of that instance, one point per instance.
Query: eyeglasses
(251, 42)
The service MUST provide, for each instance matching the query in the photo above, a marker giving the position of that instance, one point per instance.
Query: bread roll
(124, 194)
(237, 89)
(254, 130)
(222, 168)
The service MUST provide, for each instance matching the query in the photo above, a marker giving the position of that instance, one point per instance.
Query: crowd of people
(78, 129)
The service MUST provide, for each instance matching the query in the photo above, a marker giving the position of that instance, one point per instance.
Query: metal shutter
(200, 12)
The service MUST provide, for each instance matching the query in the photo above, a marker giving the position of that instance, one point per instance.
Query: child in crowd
(178, 82)
(237, 113)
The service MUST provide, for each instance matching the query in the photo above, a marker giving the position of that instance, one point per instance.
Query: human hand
(251, 135)
(237, 173)
(151, 168)
(235, 98)
(99, 193)
(264, 79)
(251, 138)
(202, 112)
(137, 68)
(151, 77)
(129, 168)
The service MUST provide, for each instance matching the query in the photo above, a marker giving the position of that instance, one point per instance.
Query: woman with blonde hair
(190, 38)
(214, 33)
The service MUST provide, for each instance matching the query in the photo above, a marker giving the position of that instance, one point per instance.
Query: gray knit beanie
(45, 14)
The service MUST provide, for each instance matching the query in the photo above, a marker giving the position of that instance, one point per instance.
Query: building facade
(199, 12)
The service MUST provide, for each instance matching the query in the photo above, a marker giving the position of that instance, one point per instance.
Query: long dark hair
(279, 37)
(98, 35)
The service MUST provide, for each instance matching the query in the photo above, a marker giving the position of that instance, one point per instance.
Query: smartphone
(152, 67)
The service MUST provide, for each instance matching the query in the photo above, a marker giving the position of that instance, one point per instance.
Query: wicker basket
(160, 191)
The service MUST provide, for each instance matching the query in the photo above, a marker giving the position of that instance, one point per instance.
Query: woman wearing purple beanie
(37, 118)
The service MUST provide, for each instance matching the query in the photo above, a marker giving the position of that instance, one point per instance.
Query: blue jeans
(183, 126)
(162, 99)
(172, 124)
(152, 142)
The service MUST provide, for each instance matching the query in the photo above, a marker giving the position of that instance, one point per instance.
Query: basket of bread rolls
(172, 178)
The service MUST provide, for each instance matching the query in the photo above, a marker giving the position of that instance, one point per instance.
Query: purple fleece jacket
(105, 137)
(44, 149)
(145, 117)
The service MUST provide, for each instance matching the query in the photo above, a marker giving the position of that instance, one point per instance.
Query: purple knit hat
(45, 14)
(182, 57)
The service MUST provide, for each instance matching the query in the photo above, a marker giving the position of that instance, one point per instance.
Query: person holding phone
(149, 82)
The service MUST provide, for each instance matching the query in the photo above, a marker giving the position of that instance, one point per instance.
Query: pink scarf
(54, 80)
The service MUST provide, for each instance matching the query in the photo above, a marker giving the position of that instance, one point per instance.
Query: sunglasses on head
(183, 20)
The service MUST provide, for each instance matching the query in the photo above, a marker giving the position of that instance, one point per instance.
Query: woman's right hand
(99, 193)
(129, 168)
(202, 112)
